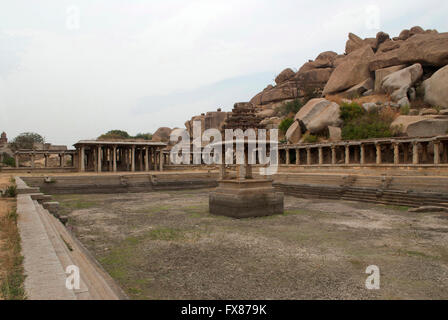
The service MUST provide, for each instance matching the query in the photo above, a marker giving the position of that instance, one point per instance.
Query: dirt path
(165, 245)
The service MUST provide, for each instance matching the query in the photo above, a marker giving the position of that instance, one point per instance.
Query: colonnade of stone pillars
(113, 158)
(407, 151)
(46, 155)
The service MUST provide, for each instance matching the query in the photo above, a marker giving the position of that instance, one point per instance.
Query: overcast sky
(72, 70)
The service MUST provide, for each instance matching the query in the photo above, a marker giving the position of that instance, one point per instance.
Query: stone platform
(244, 198)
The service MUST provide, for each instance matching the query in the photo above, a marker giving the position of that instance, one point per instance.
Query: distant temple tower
(3, 139)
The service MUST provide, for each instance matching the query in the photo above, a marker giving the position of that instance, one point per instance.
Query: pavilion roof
(120, 143)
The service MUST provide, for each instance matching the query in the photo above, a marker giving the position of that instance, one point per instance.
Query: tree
(144, 136)
(26, 140)
(285, 124)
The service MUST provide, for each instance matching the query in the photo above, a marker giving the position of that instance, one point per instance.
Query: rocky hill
(380, 86)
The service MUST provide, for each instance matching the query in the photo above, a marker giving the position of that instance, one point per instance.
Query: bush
(350, 111)
(372, 124)
(285, 124)
(309, 138)
(10, 192)
(9, 161)
(404, 110)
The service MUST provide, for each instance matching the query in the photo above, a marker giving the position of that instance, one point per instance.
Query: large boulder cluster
(412, 66)
(408, 70)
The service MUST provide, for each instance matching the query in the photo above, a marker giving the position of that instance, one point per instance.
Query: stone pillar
(347, 154)
(146, 158)
(161, 160)
(321, 155)
(16, 158)
(133, 159)
(396, 153)
(308, 156)
(436, 152)
(297, 156)
(32, 160)
(99, 158)
(222, 171)
(114, 158)
(378, 153)
(362, 154)
(62, 160)
(287, 156)
(333, 155)
(46, 160)
(82, 167)
(415, 152)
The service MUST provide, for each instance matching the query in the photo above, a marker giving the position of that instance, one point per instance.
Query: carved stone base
(245, 198)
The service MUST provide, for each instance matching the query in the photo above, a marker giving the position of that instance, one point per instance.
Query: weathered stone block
(245, 198)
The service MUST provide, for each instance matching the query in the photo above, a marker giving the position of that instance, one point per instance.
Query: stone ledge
(45, 277)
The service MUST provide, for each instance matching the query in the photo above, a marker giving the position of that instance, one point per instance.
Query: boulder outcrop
(436, 88)
(420, 126)
(318, 114)
(294, 133)
(429, 49)
(398, 83)
(380, 74)
(284, 75)
(352, 71)
(162, 134)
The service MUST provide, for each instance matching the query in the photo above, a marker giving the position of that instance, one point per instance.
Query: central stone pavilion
(243, 196)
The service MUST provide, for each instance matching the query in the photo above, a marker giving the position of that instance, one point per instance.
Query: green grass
(196, 211)
(78, 204)
(165, 234)
(153, 209)
(412, 253)
(399, 208)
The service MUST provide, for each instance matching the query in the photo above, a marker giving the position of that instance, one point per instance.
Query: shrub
(10, 192)
(9, 161)
(311, 93)
(373, 124)
(285, 124)
(309, 138)
(404, 110)
(350, 111)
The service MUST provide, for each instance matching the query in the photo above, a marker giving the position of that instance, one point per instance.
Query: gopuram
(244, 196)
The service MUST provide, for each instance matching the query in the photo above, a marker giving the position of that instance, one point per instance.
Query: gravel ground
(165, 245)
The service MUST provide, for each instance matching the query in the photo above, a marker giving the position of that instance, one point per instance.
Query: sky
(72, 70)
